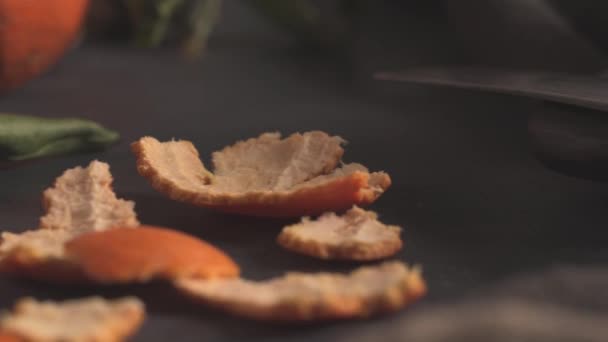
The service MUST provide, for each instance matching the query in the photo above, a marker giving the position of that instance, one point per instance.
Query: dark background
(477, 208)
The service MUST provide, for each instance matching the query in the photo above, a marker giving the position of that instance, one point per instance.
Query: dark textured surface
(476, 206)
(562, 304)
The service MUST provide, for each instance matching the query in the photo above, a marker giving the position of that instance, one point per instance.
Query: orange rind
(87, 319)
(82, 200)
(89, 235)
(124, 255)
(7, 337)
(356, 235)
(305, 297)
(265, 176)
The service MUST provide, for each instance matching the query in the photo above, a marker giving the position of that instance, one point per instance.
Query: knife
(569, 133)
(588, 91)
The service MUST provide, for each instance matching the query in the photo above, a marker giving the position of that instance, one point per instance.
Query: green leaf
(26, 137)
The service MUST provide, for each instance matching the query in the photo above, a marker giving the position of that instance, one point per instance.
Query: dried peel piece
(38, 244)
(38, 254)
(264, 176)
(118, 255)
(87, 244)
(88, 319)
(356, 235)
(269, 163)
(122, 255)
(365, 292)
(82, 200)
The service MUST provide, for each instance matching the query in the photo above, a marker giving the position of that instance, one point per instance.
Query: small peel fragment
(87, 319)
(124, 255)
(82, 200)
(367, 291)
(356, 235)
(38, 254)
(38, 244)
(265, 176)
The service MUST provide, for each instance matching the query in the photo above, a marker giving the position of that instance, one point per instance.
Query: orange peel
(86, 319)
(302, 297)
(356, 235)
(123, 255)
(265, 176)
(89, 235)
(80, 200)
(6, 337)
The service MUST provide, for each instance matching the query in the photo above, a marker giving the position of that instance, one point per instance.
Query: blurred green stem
(192, 21)
(303, 18)
(151, 28)
(204, 16)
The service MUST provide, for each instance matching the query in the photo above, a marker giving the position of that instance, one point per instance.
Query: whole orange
(34, 34)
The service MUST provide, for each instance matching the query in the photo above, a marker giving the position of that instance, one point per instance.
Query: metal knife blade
(580, 90)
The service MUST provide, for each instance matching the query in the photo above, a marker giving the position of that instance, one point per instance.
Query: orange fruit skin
(338, 195)
(52, 271)
(5, 337)
(34, 35)
(122, 255)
